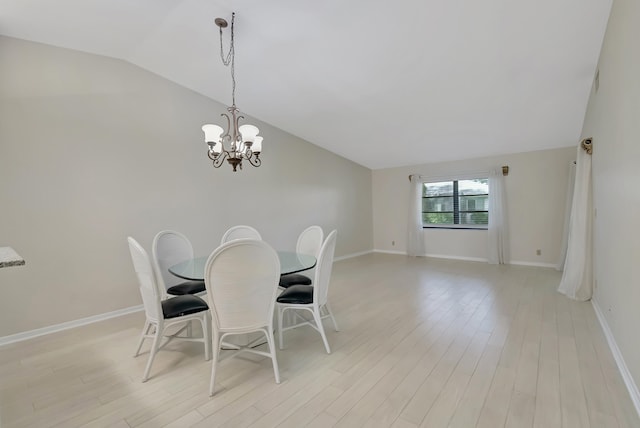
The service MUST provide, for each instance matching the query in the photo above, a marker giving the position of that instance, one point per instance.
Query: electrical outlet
(538, 252)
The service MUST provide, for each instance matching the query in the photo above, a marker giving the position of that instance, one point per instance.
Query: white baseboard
(470, 259)
(435, 256)
(467, 259)
(535, 264)
(402, 253)
(617, 356)
(18, 337)
(350, 256)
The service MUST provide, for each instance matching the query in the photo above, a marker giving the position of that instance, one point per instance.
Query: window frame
(456, 205)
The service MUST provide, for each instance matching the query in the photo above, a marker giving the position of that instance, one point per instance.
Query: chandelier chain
(230, 59)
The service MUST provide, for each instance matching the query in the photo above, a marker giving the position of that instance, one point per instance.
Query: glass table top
(290, 262)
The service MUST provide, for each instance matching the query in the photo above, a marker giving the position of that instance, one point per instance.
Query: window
(456, 203)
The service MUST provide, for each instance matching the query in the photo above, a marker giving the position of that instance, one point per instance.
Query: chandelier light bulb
(249, 133)
(212, 133)
(257, 145)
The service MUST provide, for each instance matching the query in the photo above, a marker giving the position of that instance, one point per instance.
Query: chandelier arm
(234, 120)
(218, 160)
(237, 136)
(253, 158)
(226, 134)
(213, 156)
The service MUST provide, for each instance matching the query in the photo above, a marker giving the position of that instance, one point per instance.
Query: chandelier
(236, 143)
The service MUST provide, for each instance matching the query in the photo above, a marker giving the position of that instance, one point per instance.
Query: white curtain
(577, 277)
(415, 238)
(498, 236)
(567, 215)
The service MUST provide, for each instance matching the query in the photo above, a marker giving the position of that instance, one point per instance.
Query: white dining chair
(240, 232)
(161, 314)
(309, 242)
(311, 298)
(169, 248)
(242, 296)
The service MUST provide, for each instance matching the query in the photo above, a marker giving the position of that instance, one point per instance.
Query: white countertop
(9, 257)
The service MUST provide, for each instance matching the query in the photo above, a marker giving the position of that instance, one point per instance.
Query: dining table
(290, 262)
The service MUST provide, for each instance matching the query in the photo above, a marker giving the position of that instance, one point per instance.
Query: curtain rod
(505, 172)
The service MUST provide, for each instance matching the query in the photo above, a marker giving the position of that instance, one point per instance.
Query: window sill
(456, 227)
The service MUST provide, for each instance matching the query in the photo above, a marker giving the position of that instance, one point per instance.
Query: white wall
(536, 196)
(94, 149)
(613, 120)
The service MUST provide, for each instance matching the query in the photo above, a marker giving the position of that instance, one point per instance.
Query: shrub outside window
(456, 203)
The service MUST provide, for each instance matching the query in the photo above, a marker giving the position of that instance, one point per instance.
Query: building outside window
(456, 204)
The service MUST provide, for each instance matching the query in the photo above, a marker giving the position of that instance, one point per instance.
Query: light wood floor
(423, 342)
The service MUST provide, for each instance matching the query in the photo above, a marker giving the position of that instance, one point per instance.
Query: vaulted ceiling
(381, 83)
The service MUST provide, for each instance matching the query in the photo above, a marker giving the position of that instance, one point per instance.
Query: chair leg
(280, 313)
(318, 320)
(152, 355)
(206, 336)
(214, 361)
(272, 350)
(145, 331)
(335, 324)
(290, 319)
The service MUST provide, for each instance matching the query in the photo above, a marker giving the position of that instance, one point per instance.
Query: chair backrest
(147, 280)
(169, 248)
(240, 232)
(310, 241)
(241, 278)
(323, 269)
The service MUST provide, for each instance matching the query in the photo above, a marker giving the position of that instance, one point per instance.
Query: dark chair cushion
(297, 294)
(287, 281)
(187, 287)
(183, 305)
